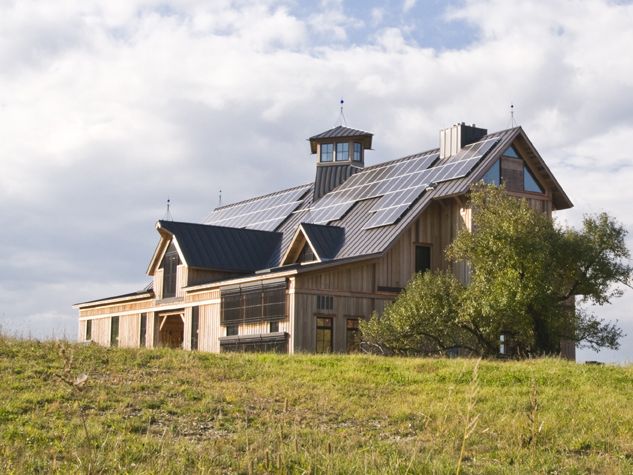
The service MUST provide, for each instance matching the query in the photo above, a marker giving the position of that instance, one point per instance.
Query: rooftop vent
(459, 135)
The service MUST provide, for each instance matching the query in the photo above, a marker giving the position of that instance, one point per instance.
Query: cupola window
(327, 152)
(358, 152)
(342, 152)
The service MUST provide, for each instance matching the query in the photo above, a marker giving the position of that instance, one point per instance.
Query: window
(327, 152)
(274, 327)
(143, 332)
(511, 152)
(114, 331)
(195, 323)
(324, 335)
(232, 330)
(170, 266)
(352, 335)
(529, 182)
(358, 152)
(422, 258)
(342, 152)
(88, 330)
(255, 344)
(493, 175)
(325, 302)
(253, 304)
(306, 254)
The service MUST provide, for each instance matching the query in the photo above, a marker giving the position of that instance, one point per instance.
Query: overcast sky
(107, 108)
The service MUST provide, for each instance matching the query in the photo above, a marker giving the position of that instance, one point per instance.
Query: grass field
(167, 411)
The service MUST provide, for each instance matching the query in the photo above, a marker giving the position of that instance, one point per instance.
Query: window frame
(345, 152)
(232, 330)
(360, 152)
(88, 331)
(319, 329)
(354, 331)
(419, 245)
(142, 337)
(329, 153)
(114, 335)
(169, 264)
(195, 328)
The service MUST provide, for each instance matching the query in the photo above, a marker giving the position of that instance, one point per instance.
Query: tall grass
(170, 411)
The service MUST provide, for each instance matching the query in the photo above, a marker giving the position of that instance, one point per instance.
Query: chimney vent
(453, 139)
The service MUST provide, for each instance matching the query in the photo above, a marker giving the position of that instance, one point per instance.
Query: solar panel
(265, 213)
(395, 202)
(389, 179)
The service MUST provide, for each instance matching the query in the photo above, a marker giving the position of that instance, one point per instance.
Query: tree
(526, 274)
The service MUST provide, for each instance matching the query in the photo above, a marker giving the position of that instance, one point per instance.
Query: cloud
(108, 108)
(408, 5)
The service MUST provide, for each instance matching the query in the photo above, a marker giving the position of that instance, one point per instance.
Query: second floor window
(422, 258)
(327, 152)
(170, 266)
(358, 152)
(342, 152)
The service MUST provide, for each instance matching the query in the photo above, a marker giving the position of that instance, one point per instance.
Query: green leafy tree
(530, 279)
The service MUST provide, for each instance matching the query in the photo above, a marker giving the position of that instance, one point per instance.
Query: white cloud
(108, 108)
(408, 5)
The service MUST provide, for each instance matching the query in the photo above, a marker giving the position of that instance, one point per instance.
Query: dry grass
(166, 411)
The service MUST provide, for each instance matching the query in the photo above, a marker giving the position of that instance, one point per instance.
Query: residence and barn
(297, 269)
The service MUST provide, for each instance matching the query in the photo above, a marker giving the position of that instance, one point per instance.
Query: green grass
(167, 411)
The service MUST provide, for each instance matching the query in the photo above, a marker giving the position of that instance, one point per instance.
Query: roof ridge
(236, 203)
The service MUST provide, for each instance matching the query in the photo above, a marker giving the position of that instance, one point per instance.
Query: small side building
(297, 269)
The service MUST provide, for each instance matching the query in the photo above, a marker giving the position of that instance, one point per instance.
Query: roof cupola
(340, 153)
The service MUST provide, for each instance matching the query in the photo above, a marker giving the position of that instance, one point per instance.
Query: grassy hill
(166, 411)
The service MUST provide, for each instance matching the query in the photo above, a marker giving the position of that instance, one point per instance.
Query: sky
(109, 108)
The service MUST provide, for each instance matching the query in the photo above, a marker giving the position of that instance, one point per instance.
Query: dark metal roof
(340, 131)
(147, 292)
(221, 248)
(358, 241)
(326, 240)
(329, 177)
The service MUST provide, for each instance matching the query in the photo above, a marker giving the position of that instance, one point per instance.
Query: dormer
(340, 153)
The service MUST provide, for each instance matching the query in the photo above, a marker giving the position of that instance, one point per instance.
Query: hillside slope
(166, 411)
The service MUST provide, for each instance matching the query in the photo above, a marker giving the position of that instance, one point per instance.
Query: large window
(352, 335)
(263, 343)
(114, 331)
(342, 152)
(327, 152)
(143, 332)
(195, 324)
(324, 334)
(170, 266)
(253, 304)
(422, 258)
(358, 152)
(512, 170)
(88, 330)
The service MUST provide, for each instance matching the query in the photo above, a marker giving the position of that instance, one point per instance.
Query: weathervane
(342, 119)
(168, 216)
(512, 121)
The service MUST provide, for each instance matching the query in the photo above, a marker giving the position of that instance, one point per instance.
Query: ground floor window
(114, 331)
(143, 332)
(324, 334)
(352, 335)
(195, 323)
(232, 330)
(263, 343)
(88, 330)
(274, 327)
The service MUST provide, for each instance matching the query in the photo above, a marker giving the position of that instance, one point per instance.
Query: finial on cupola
(342, 119)
(168, 216)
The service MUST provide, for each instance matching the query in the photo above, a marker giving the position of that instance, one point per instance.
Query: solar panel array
(393, 204)
(367, 184)
(397, 185)
(265, 213)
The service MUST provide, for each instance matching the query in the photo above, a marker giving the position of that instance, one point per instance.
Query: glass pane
(327, 152)
(529, 182)
(422, 258)
(511, 152)
(493, 175)
(358, 152)
(342, 152)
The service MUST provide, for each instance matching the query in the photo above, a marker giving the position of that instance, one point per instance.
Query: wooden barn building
(297, 269)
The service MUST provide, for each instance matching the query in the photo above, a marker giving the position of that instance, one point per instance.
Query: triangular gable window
(513, 172)
(306, 254)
